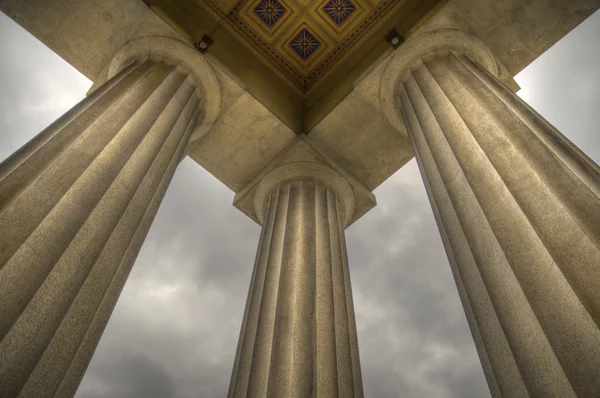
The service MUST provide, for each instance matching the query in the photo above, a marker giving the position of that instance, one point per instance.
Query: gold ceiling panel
(302, 40)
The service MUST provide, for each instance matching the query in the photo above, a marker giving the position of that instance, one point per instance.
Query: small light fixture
(204, 44)
(394, 38)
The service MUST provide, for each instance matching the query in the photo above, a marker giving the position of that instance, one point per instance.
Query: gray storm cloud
(174, 330)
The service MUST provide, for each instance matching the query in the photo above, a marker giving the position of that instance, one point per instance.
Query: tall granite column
(298, 336)
(518, 208)
(76, 203)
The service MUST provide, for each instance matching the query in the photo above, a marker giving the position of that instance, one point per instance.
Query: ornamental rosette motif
(339, 10)
(269, 11)
(304, 44)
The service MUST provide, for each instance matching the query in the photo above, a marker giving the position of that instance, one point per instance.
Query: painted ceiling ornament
(339, 10)
(305, 43)
(269, 11)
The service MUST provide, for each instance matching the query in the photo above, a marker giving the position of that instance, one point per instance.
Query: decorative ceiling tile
(304, 44)
(304, 47)
(269, 11)
(263, 19)
(339, 10)
(304, 40)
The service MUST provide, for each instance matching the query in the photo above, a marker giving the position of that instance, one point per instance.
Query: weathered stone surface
(516, 203)
(515, 32)
(76, 203)
(359, 136)
(518, 209)
(518, 32)
(233, 151)
(88, 33)
(303, 150)
(298, 337)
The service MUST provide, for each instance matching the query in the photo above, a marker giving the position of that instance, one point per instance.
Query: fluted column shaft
(518, 208)
(298, 336)
(76, 203)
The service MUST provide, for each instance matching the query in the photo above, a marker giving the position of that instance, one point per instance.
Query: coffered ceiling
(302, 39)
(299, 58)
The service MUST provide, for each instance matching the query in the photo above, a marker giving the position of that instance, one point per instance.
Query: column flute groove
(15, 224)
(325, 371)
(303, 344)
(581, 246)
(343, 354)
(94, 331)
(235, 371)
(27, 166)
(580, 165)
(352, 368)
(90, 189)
(24, 153)
(507, 299)
(557, 327)
(34, 258)
(480, 312)
(107, 260)
(20, 219)
(578, 248)
(551, 381)
(518, 211)
(254, 302)
(264, 340)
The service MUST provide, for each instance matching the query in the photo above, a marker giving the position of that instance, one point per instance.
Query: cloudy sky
(174, 331)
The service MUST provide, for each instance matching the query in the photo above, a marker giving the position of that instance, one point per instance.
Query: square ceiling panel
(302, 39)
(269, 11)
(305, 43)
(339, 10)
(264, 17)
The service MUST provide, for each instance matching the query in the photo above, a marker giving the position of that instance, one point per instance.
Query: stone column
(518, 208)
(76, 203)
(298, 336)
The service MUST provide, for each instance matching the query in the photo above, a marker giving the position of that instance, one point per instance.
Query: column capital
(304, 170)
(182, 55)
(421, 46)
(302, 159)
